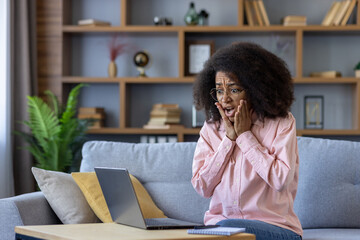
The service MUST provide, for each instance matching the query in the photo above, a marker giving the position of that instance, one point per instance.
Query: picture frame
(198, 118)
(313, 112)
(196, 54)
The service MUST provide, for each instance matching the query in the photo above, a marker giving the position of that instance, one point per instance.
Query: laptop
(123, 203)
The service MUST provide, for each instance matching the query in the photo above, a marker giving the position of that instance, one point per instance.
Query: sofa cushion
(64, 196)
(331, 234)
(165, 170)
(329, 183)
(89, 185)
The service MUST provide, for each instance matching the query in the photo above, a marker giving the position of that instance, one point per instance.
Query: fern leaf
(38, 155)
(54, 101)
(52, 155)
(67, 135)
(42, 121)
(71, 104)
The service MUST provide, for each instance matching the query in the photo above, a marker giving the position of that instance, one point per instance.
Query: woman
(246, 158)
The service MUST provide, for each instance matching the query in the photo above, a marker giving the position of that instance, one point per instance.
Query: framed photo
(198, 118)
(314, 112)
(196, 54)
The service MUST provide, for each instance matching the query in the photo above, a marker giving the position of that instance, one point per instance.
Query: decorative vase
(203, 18)
(112, 69)
(191, 17)
(357, 73)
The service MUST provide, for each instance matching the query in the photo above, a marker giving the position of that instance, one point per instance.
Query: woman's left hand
(242, 120)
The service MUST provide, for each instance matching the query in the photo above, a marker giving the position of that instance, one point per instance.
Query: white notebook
(227, 231)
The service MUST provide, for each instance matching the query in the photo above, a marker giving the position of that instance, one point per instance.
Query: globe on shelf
(141, 60)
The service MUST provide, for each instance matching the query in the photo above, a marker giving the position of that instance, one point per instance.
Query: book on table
(226, 231)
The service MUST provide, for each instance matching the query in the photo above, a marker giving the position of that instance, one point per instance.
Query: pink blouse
(254, 177)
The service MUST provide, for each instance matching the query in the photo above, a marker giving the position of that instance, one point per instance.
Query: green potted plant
(56, 135)
(357, 70)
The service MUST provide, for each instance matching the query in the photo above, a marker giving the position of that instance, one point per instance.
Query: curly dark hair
(264, 76)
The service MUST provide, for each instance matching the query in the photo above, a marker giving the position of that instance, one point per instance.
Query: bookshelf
(65, 54)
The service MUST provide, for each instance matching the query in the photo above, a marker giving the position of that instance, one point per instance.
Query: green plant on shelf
(357, 66)
(56, 135)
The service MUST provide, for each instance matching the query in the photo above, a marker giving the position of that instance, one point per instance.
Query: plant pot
(112, 69)
(357, 73)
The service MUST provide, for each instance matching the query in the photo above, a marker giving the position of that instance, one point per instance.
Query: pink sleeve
(276, 166)
(208, 163)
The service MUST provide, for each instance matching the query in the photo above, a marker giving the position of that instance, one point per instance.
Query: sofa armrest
(25, 209)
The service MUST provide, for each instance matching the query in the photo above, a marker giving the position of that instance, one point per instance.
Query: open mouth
(229, 111)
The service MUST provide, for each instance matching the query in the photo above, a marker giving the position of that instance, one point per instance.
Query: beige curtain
(24, 83)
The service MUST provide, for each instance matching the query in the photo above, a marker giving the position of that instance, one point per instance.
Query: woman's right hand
(229, 127)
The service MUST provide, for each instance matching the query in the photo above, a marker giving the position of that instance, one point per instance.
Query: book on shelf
(330, 15)
(166, 105)
(168, 111)
(248, 13)
(163, 126)
(225, 231)
(292, 20)
(166, 120)
(256, 8)
(263, 13)
(91, 110)
(255, 13)
(91, 116)
(328, 74)
(344, 5)
(93, 22)
(97, 114)
(348, 13)
(163, 116)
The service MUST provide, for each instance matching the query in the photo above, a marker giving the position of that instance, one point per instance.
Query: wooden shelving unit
(54, 51)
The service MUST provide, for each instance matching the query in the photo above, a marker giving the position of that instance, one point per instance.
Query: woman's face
(228, 93)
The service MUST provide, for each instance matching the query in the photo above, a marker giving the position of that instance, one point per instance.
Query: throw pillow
(64, 196)
(89, 185)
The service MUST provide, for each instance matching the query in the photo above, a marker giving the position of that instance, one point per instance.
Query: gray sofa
(327, 203)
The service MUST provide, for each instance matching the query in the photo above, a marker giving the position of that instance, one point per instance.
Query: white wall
(6, 177)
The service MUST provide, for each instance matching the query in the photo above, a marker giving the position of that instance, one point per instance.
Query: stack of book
(339, 13)
(255, 13)
(164, 116)
(292, 20)
(326, 74)
(96, 114)
(92, 22)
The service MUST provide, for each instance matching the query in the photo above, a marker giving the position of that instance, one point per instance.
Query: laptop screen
(120, 196)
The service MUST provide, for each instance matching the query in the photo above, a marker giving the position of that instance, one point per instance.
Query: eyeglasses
(218, 94)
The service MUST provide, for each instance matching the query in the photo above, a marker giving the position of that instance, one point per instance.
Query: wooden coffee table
(109, 231)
